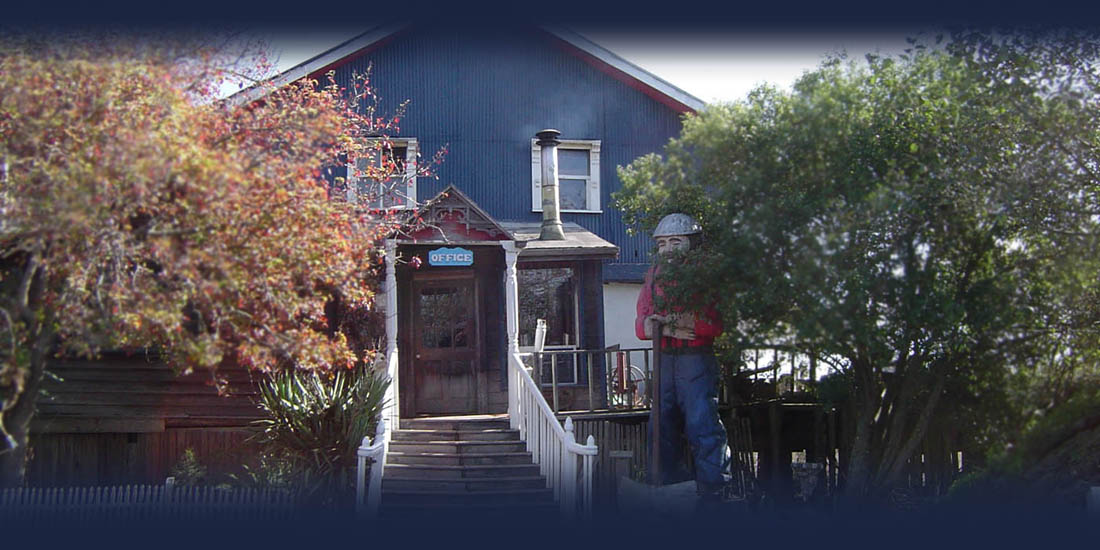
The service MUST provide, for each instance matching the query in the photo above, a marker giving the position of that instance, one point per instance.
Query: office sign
(450, 257)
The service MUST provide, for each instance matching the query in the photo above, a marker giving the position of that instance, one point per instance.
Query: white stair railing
(553, 446)
(368, 497)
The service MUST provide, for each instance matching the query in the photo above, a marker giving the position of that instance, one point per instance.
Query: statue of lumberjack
(689, 372)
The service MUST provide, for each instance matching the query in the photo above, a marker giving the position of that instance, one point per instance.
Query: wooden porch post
(511, 305)
(390, 289)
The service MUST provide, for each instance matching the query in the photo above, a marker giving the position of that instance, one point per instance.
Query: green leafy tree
(892, 217)
(137, 210)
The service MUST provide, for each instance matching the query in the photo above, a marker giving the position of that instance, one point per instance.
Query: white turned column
(511, 304)
(511, 294)
(390, 289)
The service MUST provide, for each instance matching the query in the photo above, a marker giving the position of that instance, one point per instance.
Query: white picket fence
(145, 502)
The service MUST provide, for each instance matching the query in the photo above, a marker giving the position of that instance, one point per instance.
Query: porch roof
(578, 242)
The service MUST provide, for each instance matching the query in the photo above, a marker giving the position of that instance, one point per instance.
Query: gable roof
(453, 217)
(590, 52)
(453, 208)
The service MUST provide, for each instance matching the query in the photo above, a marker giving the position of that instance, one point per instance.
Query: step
(457, 459)
(458, 447)
(451, 511)
(455, 423)
(433, 498)
(464, 485)
(446, 471)
(455, 435)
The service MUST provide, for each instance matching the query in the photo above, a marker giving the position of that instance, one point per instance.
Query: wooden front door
(445, 344)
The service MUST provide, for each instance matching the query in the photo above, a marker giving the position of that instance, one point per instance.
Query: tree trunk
(26, 381)
(13, 461)
(17, 422)
(859, 470)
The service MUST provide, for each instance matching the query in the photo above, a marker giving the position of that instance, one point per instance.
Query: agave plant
(318, 419)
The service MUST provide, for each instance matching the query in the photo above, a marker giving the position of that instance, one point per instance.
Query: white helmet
(677, 224)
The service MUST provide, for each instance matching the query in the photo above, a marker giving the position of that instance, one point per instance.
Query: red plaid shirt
(707, 326)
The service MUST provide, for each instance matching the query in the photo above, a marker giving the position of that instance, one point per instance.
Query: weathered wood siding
(117, 458)
(614, 432)
(128, 419)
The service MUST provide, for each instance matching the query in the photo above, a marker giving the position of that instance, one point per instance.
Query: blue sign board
(450, 257)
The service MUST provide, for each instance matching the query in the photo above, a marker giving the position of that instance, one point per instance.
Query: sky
(715, 65)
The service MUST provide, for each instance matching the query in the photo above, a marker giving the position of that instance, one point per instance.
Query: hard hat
(677, 224)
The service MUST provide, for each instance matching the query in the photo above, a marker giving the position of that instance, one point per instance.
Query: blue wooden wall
(485, 92)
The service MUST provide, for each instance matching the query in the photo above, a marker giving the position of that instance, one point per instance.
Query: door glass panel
(446, 317)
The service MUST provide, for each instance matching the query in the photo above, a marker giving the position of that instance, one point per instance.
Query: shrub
(315, 422)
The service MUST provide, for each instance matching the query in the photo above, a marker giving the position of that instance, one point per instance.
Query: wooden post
(655, 411)
(591, 395)
(620, 466)
(569, 473)
(511, 317)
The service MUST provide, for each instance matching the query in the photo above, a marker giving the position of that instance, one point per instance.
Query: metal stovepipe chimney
(551, 216)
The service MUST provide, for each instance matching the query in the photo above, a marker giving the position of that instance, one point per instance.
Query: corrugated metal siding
(485, 92)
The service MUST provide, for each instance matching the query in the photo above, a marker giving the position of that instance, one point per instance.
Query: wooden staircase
(462, 467)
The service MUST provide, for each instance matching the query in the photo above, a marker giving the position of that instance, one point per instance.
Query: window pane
(573, 162)
(547, 294)
(573, 194)
(566, 366)
(398, 153)
(372, 193)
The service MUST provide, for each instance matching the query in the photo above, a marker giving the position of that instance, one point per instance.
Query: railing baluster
(591, 393)
(557, 453)
(554, 379)
(609, 365)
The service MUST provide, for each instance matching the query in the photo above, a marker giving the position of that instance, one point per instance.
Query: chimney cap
(548, 136)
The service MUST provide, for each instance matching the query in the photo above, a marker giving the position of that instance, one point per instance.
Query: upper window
(397, 157)
(578, 176)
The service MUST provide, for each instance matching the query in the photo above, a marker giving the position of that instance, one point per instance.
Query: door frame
(407, 312)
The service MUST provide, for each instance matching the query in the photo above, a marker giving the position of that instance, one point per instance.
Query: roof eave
(639, 74)
(332, 56)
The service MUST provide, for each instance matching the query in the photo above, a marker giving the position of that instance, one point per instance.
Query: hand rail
(630, 393)
(553, 446)
(377, 449)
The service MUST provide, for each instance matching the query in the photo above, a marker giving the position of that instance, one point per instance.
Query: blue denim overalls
(689, 404)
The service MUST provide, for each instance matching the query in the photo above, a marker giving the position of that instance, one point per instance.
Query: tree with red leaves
(137, 210)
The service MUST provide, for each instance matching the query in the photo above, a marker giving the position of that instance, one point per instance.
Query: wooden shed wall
(129, 419)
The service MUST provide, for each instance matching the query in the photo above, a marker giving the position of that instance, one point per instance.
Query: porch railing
(626, 376)
(369, 496)
(553, 446)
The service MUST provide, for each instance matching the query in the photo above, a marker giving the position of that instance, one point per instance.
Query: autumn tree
(893, 218)
(139, 211)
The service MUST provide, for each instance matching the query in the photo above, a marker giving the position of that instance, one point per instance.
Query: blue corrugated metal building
(483, 93)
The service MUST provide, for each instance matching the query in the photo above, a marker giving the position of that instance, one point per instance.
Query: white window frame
(593, 179)
(411, 157)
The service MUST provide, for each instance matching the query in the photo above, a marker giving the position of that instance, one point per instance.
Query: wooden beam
(97, 425)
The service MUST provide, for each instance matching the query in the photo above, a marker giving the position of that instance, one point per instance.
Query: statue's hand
(681, 333)
(650, 322)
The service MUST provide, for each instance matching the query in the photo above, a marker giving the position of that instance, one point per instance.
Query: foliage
(903, 218)
(316, 421)
(188, 470)
(136, 210)
(269, 470)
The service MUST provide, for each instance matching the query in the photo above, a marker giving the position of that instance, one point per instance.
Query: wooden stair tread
(458, 467)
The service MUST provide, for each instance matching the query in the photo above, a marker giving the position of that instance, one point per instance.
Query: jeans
(689, 404)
